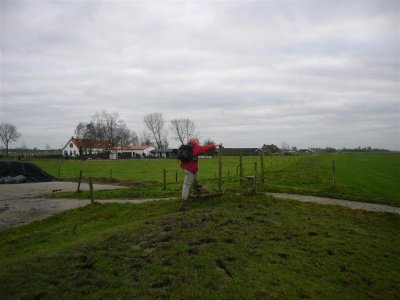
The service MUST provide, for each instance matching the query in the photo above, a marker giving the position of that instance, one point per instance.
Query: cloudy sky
(309, 73)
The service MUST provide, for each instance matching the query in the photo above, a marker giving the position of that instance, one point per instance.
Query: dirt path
(24, 203)
(347, 203)
(17, 212)
(32, 190)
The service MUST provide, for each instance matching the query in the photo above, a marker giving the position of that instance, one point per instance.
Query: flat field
(371, 177)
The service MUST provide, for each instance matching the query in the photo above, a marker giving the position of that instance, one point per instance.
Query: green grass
(221, 248)
(371, 177)
(366, 177)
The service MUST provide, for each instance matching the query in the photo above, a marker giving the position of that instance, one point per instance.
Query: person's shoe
(198, 186)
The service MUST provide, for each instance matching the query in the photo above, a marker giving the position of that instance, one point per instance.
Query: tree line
(109, 127)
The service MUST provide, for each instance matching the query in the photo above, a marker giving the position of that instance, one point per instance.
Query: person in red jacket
(191, 167)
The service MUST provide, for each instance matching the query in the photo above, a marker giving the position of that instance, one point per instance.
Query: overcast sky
(309, 73)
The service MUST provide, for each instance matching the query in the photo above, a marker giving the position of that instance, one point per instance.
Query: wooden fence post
(255, 179)
(79, 182)
(91, 190)
(241, 167)
(165, 178)
(262, 166)
(220, 170)
(334, 173)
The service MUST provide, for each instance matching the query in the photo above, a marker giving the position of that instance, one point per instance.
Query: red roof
(84, 143)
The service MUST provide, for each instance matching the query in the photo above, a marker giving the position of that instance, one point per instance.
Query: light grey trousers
(187, 183)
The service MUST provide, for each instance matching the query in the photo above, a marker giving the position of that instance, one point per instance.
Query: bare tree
(182, 129)
(80, 130)
(103, 127)
(165, 143)
(107, 127)
(87, 133)
(208, 141)
(145, 139)
(155, 124)
(134, 138)
(285, 147)
(123, 134)
(8, 134)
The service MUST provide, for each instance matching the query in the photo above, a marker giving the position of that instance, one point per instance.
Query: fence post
(165, 178)
(241, 167)
(255, 179)
(262, 166)
(220, 169)
(334, 173)
(91, 190)
(79, 182)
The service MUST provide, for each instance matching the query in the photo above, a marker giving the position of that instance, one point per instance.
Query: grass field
(223, 248)
(372, 177)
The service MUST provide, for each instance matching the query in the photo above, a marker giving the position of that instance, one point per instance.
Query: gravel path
(17, 212)
(347, 203)
(24, 203)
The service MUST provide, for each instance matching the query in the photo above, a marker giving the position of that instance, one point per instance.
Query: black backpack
(185, 153)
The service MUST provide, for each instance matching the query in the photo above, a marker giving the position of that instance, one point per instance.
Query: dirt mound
(31, 172)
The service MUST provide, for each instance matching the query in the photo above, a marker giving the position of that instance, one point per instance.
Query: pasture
(230, 247)
(370, 177)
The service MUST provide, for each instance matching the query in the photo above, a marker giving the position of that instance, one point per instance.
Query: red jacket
(192, 166)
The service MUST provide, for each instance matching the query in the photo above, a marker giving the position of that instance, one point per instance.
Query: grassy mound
(225, 248)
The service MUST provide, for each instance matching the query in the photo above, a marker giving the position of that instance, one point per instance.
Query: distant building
(271, 149)
(131, 151)
(84, 147)
(78, 147)
(239, 151)
(164, 153)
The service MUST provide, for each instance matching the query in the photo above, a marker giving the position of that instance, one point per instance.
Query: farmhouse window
(71, 145)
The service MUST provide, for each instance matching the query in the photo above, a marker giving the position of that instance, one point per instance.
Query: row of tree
(109, 127)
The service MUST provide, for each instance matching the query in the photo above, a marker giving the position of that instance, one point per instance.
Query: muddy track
(24, 203)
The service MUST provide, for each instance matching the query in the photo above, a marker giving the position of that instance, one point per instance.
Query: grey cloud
(280, 70)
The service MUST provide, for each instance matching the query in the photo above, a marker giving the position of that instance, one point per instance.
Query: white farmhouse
(76, 147)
